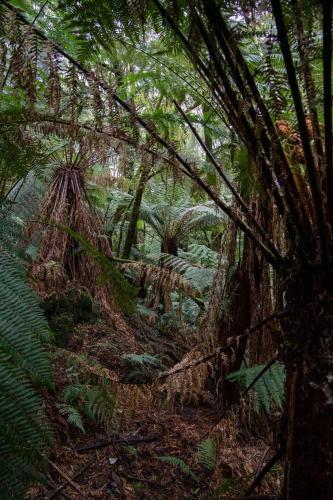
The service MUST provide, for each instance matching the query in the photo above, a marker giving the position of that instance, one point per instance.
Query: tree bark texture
(308, 348)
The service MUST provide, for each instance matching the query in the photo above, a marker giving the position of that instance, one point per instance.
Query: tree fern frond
(268, 389)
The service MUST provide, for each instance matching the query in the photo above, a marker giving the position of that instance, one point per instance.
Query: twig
(262, 459)
(62, 486)
(68, 479)
(62, 493)
(142, 480)
(103, 444)
(264, 471)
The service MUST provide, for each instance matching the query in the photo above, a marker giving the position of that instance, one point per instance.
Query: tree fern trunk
(235, 322)
(309, 364)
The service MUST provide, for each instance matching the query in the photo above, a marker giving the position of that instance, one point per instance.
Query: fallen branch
(142, 480)
(264, 471)
(68, 479)
(129, 440)
(58, 490)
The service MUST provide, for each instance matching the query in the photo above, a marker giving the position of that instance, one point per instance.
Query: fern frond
(206, 454)
(24, 431)
(268, 389)
(142, 359)
(178, 462)
(99, 404)
(96, 402)
(73, 415)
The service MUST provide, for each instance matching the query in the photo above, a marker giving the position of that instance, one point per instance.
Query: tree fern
(24, 432)
(268, 389)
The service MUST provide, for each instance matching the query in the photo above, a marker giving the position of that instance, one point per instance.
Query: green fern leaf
(73, 415)
(24, 430)
(268, 389)
(178, 462)
(206, 454)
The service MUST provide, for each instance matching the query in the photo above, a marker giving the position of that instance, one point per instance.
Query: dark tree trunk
(131, 232)
(235, 321)
(308, 344)
(170, 246)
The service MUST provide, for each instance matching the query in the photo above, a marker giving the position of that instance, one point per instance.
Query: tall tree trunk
(235, 321)
(130, 236)
(308, 342)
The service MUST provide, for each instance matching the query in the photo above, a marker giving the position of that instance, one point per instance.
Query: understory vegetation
(166, 249)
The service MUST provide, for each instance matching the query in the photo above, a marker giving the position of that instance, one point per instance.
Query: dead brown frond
(162, 279)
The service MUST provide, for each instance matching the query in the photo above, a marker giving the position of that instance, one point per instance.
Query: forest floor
(124, 461)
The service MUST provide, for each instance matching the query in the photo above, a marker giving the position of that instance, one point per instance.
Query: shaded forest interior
(166, 249)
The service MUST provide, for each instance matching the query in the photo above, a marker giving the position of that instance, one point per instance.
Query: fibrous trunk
(308, 345)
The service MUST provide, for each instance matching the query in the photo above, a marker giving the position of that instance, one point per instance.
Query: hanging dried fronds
(96, 99)
(53, 92)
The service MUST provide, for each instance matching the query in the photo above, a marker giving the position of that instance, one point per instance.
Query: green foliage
(10, 227)
(176, 223)
(72, 414)
(178, 462)
(24, 431)
(206, 454)
(268, 389)
(141, 366)
(142, 359)
(123, 292)
(192, 265)
(96, 402)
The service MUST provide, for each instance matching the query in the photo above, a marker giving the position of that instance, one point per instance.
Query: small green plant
(73, 415)
(142, 359)
(141, 366)
(178, 462)
(206, 454)
(96, 402)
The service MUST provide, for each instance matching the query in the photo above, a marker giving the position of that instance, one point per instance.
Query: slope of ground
(129, 456)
